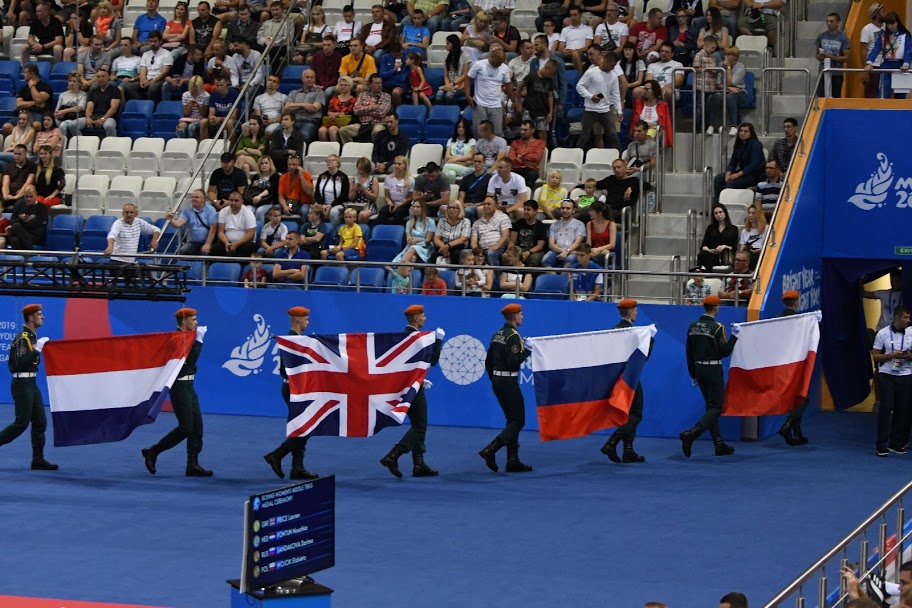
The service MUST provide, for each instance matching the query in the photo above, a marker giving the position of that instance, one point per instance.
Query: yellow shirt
(551, 197)
(347, 237)
(349, 66)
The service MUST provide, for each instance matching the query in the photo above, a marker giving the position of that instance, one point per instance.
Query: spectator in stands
(719, 241)
(535, 99)
(49, 178)
(388, 144)
(612, 30)
(491, 231)
(653, 110)
(634, 70)
(102, 105)
(126, 66)
(737, 291)
(399, 187)
(459, 151)
(263, 192)
(455, 72)
(243, 27)
(601, 94)
(195, 121)
(415, 37)
(88, 62)
(785, 147)
(206, 28)
(587, 287)
(433, 284)
(527, 153)
(76, 34)
(663, 71)
(400, 279)
(148, 23)
(236, 229)
(681, 38)
(35, 96)
(452, 234)
(348, 28)
(22, 135)
(508, 188)
(28, 224)
(475, 280)
(296, 189)
(458, 16)
(493, 147)
(768, 190)
(529, 235)
(270, 106)
(332, 189)
(185, 67)
(49, 136)
(351, 245)
(564, 236)
(245, 62)
(370, 109)
(834, 45)
(508, 38)
(45, 35)
(601, 232)
(490, 76)
(307, 103)
(514, 282)
(433, 11)
(359, 66)
(274, 233)
(201, 220)
(419, 236)
(753, 234)
(220, 106)
(284, 142)
(542, 57)
(575, 39)
(759, 17)
(326, 64)
(222, 65)
(551, 195)
(584, 199)
(728, 12)
(648, 36)
(745, 168)
(176, 36)
(696, 290)
(421, 90)
(432, 188)
(71, 104)
(473, 188)
(225, 180)
(123, 238)
(275, 29)
(365, 190)
(109, 26)
(379, 34)
(313, 35)
(314, 238)
(340, 112)
(154, 67)
(703, 78)
(290, 269)
(894, 49)
(642, 151)
(716, 28)
(395, 73)
(869, 35)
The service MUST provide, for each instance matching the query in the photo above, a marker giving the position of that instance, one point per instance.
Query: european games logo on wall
(873, 193)
(247, 358)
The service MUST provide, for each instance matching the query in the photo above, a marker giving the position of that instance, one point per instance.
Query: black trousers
(413, 440)
(627, 431)
(894, 413)
(189, 419)
(29, 409)
(506, 389)
(712, 384)
(292, 444)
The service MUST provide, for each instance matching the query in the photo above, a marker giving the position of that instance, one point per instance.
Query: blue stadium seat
(751, 90)
(165, 118)
(195, 274)
(440, 124)
(292, 226)
(434, 77)
(330, 278)
(222, 272)
(95, 232)
(443, 114)
(389, 233)
(7, 107)
(7, 273)
(58, 86)
(449, 277)
(135, 119)
(41, 277)
(11, 70)
(416, 280)
(62, 70)
(61, 236)
(371, 279)
(292, 75)
(385, 243)
(411, 121)
(467, 114)
(44, 70)
(550, 287)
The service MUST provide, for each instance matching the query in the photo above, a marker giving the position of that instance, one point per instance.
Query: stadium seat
(330, 278)
(155, 198)
(7, 107)
(95, 232)
(315, 159)
(370, 279)
(598, 163)
(750, 88)
(90, 193)
(144, 157)
(10, 68)
(737, 201)
(135, 119)
(111, 159)
(568, 161)
(177, 159)
(440, 124)
(7, 272)
(165, 118)
(39, 277)
(550, 287)
(185, 185)
(434, 77)
(79, 156)
(208, 154)
(395, 234)
(61, 235)
(292, 225)
(171, 237)
(224, 272)
(422, 154)
(449, 277)
(411, 121)
(123, 189)
(291, 75)
(62, 70)
(351, 152)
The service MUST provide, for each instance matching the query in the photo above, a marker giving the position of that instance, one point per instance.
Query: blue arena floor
(579, 531)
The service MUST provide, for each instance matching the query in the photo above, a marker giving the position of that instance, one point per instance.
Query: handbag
(551, 9)
(726, 258)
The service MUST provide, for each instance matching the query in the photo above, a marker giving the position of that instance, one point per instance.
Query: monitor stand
(295, 593)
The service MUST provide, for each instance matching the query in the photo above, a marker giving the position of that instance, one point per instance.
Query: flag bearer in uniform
(24, 357)
(627, 432)
(186, 405)
(413, 440)
(706, 347)
(299, 318)
(506, 353)
(791, 428)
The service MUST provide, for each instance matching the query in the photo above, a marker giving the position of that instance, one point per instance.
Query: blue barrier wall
(238, 369)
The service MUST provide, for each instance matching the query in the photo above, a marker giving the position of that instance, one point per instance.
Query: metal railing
(765, 103)
(691, 237)
(875, 524)
(676, 294)
(674, 118)
(707, 193)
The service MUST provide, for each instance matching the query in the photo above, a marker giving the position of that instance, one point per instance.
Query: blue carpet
(578, 531)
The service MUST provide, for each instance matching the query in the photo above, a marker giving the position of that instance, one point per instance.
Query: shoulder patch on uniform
(515, 349)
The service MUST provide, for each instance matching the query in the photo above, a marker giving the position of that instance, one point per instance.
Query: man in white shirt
(612, 30)
(869, 35)
(491, 77)
(575, 39)
(601, 94)
(268, 106)
(153, 69)
(891, 354)
(245, 60)
(123, 238)
(509, 188)
(236, 229)
(564, 236)
(222, 65)
(662, 70)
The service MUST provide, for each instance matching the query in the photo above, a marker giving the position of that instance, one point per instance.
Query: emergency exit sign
(902, 250)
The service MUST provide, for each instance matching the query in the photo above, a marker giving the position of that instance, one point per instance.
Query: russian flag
(103, 388)
(585, 382)
(772, 365)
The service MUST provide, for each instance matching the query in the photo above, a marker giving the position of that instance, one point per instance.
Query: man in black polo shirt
(35, 96)
(226, 180)
(620, 190)
(474, 187)
(530, 235)
(388, 145)
(45, 35)
(17, 175)
(101, 106)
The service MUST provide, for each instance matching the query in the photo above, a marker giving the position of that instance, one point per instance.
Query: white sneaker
(710, 130)
(733, 131)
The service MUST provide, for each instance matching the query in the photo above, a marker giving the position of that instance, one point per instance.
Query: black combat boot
(489, 453)
(800, 439)
(194, 469)
(687, 439)
(150, 455)
(786, 431)
(39, 463)
(629, 454)
(274, 460)
(420, 469)
(391, 461)
(722, 448)
(610, 449)
(514, 464)
(298, 472)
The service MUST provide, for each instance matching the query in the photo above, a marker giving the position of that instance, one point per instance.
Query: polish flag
(771, 365)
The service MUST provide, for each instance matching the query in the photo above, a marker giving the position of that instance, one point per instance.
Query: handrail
(842, 545)
(707, 193)
(722, 138)
(766, 105)
(659, 172)
(674, 130)
(673, 280)
(641, 217)
(691, 237)
(626, 214)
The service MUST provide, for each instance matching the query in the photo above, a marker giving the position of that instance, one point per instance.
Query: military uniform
(506, 353)
(706, 347)
(791, 428)
(29, 405)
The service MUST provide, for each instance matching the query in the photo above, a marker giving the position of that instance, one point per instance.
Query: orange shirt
(290, 188)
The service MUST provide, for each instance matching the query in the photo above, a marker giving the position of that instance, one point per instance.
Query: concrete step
(666, 244)
(673, 202)
(684, 183)
(817, 11)
(806, 47)
(685, 152)
(647, 287)
(672, 224)
(788, 105)
(650, 263)
(808, 30)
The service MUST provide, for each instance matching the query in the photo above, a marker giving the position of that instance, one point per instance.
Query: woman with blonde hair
(453, 234)
(478, 31)
(109, 26)
(754, 232)
(196, 108)
(398, 186)
(340, 110)
(419, 235)
(312, 34)
(263, 191)
(49, 178)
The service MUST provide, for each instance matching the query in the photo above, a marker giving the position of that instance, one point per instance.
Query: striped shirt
(126, 238)
(447, 232)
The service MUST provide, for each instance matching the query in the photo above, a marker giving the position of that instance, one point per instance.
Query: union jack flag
(353, 385)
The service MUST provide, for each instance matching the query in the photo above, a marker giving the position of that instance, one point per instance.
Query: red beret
(711, 301)
(30, 309)
(414, 309)
(183, 313)
(298, 311)
(627, 303)
(791, 294)
(511, 309)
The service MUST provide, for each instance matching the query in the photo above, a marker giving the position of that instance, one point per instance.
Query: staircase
(666, 232)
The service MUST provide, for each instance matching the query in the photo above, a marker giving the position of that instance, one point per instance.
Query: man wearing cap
(186, 406)
(791, 428)
(432, 187)
(706, 347)
(413, 440)
(299, 318)
(506, 353)
(24, 357)
(627, 431)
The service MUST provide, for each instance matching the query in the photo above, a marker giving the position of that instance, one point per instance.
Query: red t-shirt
(646, 37)
(436, 287)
